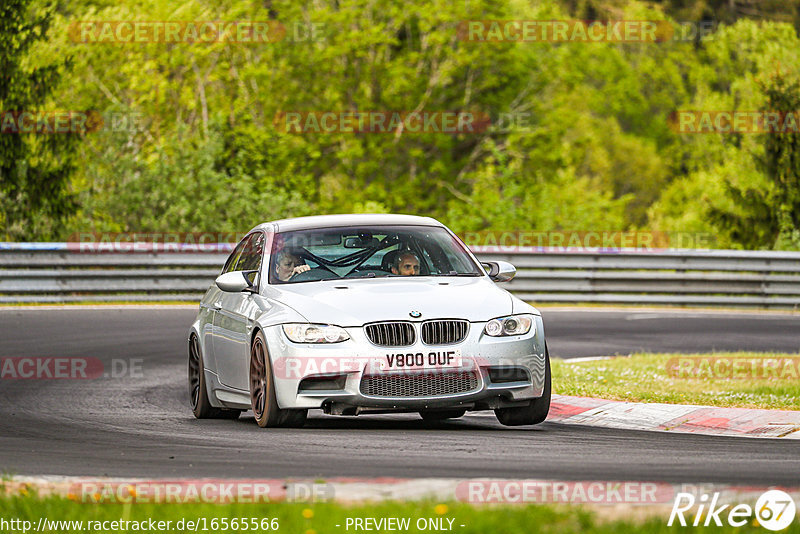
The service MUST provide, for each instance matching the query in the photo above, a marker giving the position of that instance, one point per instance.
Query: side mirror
(500, 271)
(236, 281)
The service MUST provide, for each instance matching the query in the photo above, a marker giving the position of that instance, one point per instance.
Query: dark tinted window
(250, 259)
(230, 263)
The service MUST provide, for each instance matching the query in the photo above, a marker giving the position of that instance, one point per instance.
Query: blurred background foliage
(191, 144)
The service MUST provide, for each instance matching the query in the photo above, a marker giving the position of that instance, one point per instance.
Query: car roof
(355, 219)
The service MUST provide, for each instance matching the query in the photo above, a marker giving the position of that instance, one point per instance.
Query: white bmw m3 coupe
(360, 314)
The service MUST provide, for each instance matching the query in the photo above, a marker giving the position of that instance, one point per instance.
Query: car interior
(362, 254)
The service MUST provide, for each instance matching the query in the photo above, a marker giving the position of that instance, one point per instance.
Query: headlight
(513, 325)
(315, 333)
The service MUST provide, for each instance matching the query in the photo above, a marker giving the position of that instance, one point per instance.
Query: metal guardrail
(54, 272)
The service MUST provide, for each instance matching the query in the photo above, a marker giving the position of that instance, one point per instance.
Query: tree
(767, 214)
(34, 169)
(782, 160)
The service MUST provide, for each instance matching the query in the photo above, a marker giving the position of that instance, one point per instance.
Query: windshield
(368, 252)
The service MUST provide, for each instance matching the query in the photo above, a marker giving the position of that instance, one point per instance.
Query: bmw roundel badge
(415, 314)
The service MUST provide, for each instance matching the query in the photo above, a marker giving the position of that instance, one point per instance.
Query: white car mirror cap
(233, 282)
(500, 271)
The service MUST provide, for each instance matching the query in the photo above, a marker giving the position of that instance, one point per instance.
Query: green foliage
(191, 141)
(161, 194)
(782, 160)
(730, 187)
(728, 12)
(34, 169)
(764, 211)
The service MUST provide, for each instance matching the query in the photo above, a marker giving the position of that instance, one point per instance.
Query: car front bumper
(495, 372)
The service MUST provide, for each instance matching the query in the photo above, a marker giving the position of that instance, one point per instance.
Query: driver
(405, 264)
(288, 264)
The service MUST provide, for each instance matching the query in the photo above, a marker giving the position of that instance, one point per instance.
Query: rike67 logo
(774, 510)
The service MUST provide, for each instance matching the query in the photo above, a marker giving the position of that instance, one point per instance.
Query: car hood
(360, 301)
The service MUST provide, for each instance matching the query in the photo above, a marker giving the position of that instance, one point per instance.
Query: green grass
(645, 378)
(297, 518)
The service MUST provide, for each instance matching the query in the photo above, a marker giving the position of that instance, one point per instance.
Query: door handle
(217, 306)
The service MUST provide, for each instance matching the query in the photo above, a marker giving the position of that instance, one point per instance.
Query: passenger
(406, 264)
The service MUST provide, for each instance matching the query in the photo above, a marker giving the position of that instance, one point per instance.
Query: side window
(230, 263)
(250, 259)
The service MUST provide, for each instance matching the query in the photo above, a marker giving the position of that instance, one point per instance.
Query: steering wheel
(313, 275)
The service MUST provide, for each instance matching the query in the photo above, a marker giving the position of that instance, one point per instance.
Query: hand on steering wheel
(300, 269)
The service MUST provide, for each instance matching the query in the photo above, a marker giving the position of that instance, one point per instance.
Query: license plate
(434, 359)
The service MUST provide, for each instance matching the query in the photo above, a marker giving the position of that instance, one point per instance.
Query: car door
(232, 318)
(209, 306)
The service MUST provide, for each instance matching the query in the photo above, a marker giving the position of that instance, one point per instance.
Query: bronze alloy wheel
(198, 395)
(262, 391)
(258, 379)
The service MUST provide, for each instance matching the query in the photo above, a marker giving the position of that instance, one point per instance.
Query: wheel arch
(256, 329)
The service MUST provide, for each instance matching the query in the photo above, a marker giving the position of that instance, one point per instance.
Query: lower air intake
(419, 385)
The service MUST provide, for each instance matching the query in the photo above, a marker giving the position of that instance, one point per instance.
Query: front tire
(536, 411)
(198, 392)
(262, 391)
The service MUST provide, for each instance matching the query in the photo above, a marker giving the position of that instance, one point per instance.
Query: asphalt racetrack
(141, 426)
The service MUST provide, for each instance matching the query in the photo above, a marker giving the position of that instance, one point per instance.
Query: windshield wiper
(367, 275)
